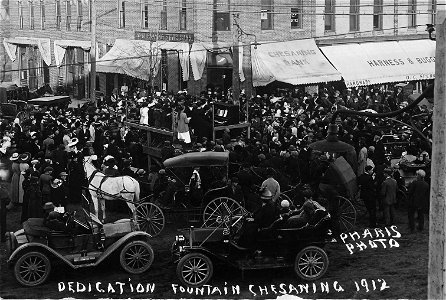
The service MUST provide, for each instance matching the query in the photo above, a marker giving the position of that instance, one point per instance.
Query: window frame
(330, 15)
(58, 15)
(183, 16)
(432, 10)
(299, 12)
(121, 13)
(377, 15)
(42, 14)
(163, 16)
(221, 9)
(412, 14)
(354, 19)
(68, 15)
(31, 15)
(80, 15)
(268, 9)
(144, 14)
(20, 12)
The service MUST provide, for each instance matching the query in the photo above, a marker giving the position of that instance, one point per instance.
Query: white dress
(144, 113)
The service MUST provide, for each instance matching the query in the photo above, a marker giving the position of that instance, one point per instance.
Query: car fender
(45, 248)
(135, 235)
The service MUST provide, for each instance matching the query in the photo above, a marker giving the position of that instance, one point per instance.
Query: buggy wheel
(136, 257)
(346, 214)
(32, 268)
(311, 263)
(150, 218)
(223, 210)
(194, 269)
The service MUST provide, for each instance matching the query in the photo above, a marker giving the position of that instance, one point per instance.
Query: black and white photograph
(222, 149)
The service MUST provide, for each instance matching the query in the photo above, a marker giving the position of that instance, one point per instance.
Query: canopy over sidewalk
(293, 62)
(382, 62)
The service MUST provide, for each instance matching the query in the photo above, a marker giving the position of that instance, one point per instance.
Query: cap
(15, 156)
(285, 203)
(49, 206)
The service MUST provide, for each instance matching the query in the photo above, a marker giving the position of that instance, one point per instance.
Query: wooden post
(235, 65)
(437, 220)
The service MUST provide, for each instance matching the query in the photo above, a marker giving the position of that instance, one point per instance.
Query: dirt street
(396, 271)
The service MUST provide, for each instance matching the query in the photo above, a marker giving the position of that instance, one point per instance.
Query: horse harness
(98, 190)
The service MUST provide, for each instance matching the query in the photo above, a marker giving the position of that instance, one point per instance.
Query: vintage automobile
(85, 242)
(196, 250)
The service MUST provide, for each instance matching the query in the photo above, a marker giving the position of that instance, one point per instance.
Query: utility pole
(437, 220)
(235, 61)
(93, 54)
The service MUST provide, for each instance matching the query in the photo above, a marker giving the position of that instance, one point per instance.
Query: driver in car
(262, 218)
(53, 219)
(302, 216)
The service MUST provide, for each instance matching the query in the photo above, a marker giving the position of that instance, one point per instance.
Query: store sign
(164, 36)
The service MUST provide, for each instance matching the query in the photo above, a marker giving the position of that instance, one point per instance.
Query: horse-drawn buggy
(197, 250)
(78, 239)
(191, 184)
(195, 184)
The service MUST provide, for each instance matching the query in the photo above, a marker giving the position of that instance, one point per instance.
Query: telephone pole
(93, 54)
(437, 220)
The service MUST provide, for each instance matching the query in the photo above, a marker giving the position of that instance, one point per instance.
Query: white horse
(103, 187)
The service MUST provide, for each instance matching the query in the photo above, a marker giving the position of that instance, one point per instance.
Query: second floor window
(221, 15)
(183, 15)
(68, 15)
(163, 25)
(266, 15)
(121, 14)
(296, 15)
(58, 15)
(412, 13)
(354, 15)
(42, 14)
(144, 14)
(31, 15)
(80, 15)
(329, 15)
(378, 15)
(20, 15)
(432, 11)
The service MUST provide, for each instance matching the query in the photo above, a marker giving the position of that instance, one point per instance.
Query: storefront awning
(44, 46)
(382, 62)
(293, 62)
(60, 47)
(137, 58)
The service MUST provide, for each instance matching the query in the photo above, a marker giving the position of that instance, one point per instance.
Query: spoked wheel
(194, 269)
(136, 257)
(311, 263)
(150, 218)
(346, 214)
(32, 268)
(223, 210)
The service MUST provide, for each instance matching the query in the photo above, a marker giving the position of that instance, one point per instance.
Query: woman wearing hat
(15, 181)
(23, 160)
(34, 196)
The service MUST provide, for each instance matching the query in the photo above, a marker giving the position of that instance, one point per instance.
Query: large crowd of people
(46, 149)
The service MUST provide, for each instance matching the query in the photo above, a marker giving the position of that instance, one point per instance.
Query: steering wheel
(69, 218)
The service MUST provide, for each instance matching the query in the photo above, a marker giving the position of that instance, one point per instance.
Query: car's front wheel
(136, 257)
(32, 268)
(195, 269)
(311, 263)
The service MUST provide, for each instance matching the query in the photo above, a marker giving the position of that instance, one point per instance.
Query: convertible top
(198, 159)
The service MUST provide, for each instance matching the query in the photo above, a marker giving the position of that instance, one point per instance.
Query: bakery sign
(164, 36)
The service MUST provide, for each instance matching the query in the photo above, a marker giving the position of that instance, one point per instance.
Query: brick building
(60, 30)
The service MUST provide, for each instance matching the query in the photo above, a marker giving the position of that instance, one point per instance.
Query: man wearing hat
(367, 186)
(262, 218)
(110, 168)
(45, 183)
(388, 191)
